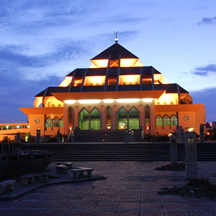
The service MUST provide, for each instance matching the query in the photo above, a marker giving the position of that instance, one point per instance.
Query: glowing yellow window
(129, 79)
(94, 80)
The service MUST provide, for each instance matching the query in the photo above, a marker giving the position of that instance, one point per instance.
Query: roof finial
(116, 39)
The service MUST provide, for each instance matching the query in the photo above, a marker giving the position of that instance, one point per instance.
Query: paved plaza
(130, 189)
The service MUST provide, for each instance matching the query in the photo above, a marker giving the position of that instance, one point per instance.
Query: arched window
(166, 120)
(108, 117)
(62, 122)
(122, 119)
(174, 121)
(147, 116)
(55, 122)
(95, 119)
(84, 119)
(134, 118)
(159, 121)
(48, 122)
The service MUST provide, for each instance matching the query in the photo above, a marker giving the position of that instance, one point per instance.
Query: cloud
(206, 96)
(206, 70)
(53, 62)
(207, 21)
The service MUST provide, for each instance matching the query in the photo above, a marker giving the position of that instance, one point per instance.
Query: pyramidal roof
(114, 51)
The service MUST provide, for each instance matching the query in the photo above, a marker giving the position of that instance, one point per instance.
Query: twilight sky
(42, 41)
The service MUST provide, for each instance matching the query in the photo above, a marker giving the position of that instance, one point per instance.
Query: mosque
(115, 93)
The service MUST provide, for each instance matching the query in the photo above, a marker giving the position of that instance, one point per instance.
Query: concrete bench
(6, 185)
(78, 172)
(69, 164)
(62, 169)
(29, 178)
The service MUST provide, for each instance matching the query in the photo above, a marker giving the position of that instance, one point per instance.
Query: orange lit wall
(94, 80)
(200, 119)
(114, 63)
(163, 80)
(187, 123)
(162, 130)
(78, 82)
(167, 99)
(128, 62)
(65, 82)
(159, 78)
(132, 62)
(53, 130)
(99, 63)
(38, 101)
(34, 126)
(53, 102)
(129, 79)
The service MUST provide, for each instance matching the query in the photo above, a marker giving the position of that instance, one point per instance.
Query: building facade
(116, 92)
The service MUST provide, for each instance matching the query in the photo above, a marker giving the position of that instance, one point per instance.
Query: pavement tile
(151, 205)
(32, 212)
(194, 206)
(44, 204)
(152, 213)
(55, 212)
(93, 197)
(74, 197)
(132, 213)
(65, 204)
(23, 203)
(86, 205)
(150, 198)
(173, 206)
(171, 198)
(129, 205)
(202, 213)
(79, 213)
(124, 192)
(10, 212)
(176, 213)
(103, 213)
(132, 197)
(107, 205)
(111, 197)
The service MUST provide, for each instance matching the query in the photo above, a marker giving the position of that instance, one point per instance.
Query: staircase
(121, 151)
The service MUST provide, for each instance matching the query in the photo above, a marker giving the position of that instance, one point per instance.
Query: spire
(116, 39)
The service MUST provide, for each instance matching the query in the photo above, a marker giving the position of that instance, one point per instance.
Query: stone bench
(6, 185)
(78, 172)
(29, 178)
(62, 169)
(68, 164)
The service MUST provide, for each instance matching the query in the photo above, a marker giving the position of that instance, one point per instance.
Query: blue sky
(42, 41)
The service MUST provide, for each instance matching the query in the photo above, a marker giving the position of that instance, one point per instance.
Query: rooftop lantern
(116, 39)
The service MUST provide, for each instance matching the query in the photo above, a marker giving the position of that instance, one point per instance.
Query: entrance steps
(121, 151)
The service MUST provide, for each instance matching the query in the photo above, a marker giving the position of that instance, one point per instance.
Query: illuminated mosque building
(115, 93)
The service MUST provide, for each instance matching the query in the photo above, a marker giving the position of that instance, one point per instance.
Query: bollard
(38, 136)
(126, 136)
(2, 148)
(18, 137)
(58, 137)
(132, 134)
(173, 150)
(190, 155)
(72, 136)
(202, 133)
